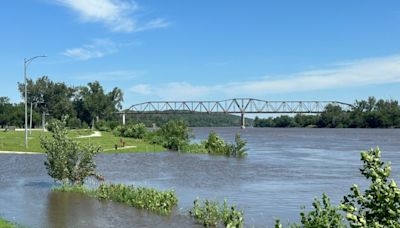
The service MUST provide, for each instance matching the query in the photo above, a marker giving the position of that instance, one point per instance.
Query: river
(284, 169)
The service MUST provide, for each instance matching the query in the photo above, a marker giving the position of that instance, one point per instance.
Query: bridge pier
(123, 119)
(242, 121)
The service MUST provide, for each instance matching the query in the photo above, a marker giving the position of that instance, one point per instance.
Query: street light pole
(26, 64)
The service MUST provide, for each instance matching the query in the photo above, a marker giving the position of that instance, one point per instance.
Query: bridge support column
(242, 121)
(123, 119)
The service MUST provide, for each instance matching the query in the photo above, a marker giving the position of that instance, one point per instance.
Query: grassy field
(14, 141)
(5, 224)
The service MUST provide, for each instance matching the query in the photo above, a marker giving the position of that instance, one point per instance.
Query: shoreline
(19, 152)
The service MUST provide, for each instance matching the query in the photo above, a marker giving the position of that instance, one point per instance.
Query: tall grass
(161, 202)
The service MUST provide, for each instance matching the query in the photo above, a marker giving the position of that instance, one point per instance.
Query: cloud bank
(117, 15)
(376, 71)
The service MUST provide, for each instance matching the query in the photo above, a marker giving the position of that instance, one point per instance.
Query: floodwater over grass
(14, 141)
(284, 169)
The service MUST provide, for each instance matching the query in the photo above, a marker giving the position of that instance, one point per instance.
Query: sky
(207, 50)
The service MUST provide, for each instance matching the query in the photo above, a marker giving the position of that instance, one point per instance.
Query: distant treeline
(90, 105)
(87, 105)
(193, 119)
(371, 113)
(84, 105)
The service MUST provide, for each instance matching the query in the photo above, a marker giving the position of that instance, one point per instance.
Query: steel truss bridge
(233, 106)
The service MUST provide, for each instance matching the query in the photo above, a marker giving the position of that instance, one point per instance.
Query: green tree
(175, 134)
(93, 104)
(67, 160)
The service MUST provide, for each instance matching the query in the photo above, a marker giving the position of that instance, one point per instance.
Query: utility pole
(26, 64)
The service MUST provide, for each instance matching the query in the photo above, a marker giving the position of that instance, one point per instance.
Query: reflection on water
(285, 168)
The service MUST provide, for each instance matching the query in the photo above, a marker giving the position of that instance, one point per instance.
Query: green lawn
(6, 224)
(14, 141)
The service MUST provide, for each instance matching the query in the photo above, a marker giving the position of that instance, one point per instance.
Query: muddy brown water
(285, 169)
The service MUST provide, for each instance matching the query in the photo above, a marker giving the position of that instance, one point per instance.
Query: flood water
(284, 169)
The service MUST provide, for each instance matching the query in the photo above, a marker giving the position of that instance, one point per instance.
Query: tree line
(370, 113)
(84, 105)
(90, 105)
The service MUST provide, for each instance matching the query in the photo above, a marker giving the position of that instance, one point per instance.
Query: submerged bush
(174, 135)
(216, 145)
(212, 214)
(161, 202)
(67, 160)
(144, 198)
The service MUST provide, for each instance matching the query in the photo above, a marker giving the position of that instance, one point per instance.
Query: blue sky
(193, 50)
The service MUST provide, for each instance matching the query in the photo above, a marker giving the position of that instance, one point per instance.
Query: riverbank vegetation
(7, 224)
(212, 214)
(369, 113)
(68, 160)
(160, 202)
(378, 206)
(71, 163)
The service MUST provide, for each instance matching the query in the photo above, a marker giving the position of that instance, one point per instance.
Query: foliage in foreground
(212, 214)
(161, 202)
(377, 207)
(6, 224)
(323, 215)
(67, 160)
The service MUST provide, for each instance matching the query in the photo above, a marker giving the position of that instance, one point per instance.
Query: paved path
(95, 134)
(19, 152)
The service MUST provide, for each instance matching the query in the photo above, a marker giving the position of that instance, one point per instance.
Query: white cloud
(118, 75)
(364, 72)
(97, 49)
(117, 15)
(142, 89)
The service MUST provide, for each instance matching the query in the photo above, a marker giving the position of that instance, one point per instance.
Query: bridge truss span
(234, 106)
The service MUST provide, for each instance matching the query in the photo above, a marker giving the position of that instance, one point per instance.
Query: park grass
(14, 141)
(6, 224)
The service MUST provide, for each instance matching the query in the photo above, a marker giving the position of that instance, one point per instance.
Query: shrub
(174, 135)
(144, 198)
(378, 206)
(161, 202)
(67, 160)
(323, 215)
(137, 131)
(216, 145)
(102, 125)
(74, 123)
(212, 214)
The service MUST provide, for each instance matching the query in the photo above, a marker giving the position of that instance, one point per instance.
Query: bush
(137, 131)
(67, 160)
(378, 206)
(161, 202)
(174, 135)
(216, 145)
(211, 214)
(74, 123)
